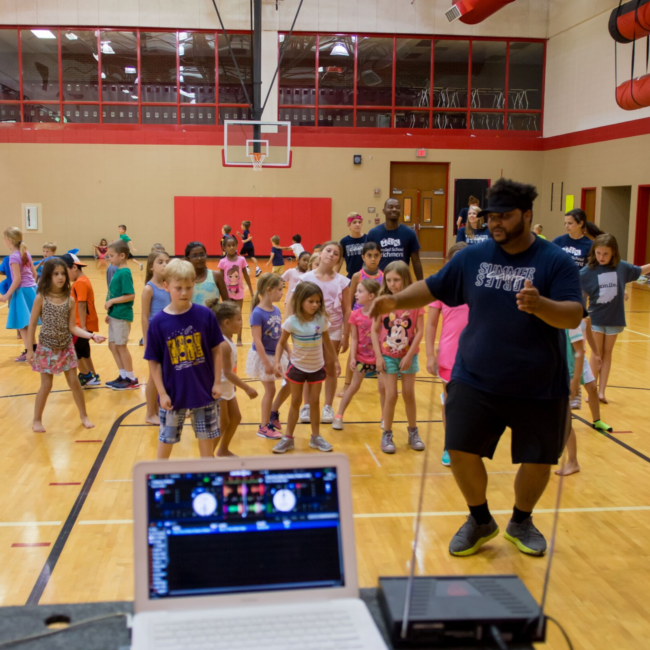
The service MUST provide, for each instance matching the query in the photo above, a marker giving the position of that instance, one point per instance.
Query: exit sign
(421, 153)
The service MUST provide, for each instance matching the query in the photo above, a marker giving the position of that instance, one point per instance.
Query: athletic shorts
(296, 376)
(365, 367)
(205, 422)
(392, 366)
(476, 421)
(278, 270)
(587, 374)
(118, 330)
(608, 330)
(248, 251)
(444, 374)
(81, 347)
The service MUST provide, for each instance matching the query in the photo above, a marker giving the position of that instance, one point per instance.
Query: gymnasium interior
(136, 112)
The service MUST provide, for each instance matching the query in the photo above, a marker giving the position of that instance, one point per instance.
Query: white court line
(118, 480)
(537, 511)
(635, 341)
(373, 455)
(4, 304)
(396, 515)
(445, 473)
(639, 333)
(17, 524)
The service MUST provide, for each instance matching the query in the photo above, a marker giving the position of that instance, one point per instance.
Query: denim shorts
(205, 422)
(392, 366)
(607, 330)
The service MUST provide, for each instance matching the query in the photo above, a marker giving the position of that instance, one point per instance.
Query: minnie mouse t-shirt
(233, 274)
(398, 331)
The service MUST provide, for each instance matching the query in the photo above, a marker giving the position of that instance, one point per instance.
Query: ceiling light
(339, 49)
(130, 70)
(106, 48)
(43, 33)
(103, 75)
(182, 36)
(71, 37)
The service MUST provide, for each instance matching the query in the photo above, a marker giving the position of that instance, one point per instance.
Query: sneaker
(526, 537)
(576, 403)
(415, 441)
(258, 271)
(327, 417)
(387, 444)
(141, 341)
(275, 421)
(337, 424)
(381, 424)
(84, 379)
(269, 431)
(470, 537)
(126, 384)
(141, 267)
(94, 381)
(318, 442)
(446, 461)
(21, 357)
(599, 425)
(285, 444)
(110, 384)
(305, 415)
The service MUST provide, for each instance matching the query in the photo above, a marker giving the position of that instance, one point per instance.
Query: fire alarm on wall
(421, 153)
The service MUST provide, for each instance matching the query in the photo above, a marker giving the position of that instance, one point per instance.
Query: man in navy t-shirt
(511, 368)
(397, 241)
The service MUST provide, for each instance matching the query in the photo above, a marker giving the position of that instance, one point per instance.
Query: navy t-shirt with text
(478, 237)
(398, 244)
(182, 344)
(503, 350)
(352, 248)
(577, 248)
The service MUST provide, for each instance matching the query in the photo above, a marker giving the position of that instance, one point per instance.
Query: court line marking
(446, 473)
(118, 480)
(64, 533)
(616, 440)
(635, 341)
(372, 454)
(256, 424)
(441, 513)
(28, 524)
(639, 333)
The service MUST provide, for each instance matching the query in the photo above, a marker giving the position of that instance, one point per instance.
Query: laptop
(246, 553)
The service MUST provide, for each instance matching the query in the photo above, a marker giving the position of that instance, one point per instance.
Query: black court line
(616, 440)
(64, 390)
(257, 424)
(57, 548)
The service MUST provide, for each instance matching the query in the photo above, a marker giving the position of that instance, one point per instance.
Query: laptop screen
(213, 533)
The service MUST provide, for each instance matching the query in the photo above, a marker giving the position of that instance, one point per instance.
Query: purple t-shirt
(26, 275)
(271, 324)
(183, 344)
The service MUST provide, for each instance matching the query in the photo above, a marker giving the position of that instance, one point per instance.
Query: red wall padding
(200, 218)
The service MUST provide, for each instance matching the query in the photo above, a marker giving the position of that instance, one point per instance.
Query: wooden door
(431, 231)
(588, 202)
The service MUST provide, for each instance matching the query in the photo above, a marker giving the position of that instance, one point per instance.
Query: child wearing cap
(85, 318)
(353, 245)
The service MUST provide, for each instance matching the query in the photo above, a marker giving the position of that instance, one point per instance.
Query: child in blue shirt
(277, 259)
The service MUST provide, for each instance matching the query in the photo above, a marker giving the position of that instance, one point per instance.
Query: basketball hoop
(257, 158)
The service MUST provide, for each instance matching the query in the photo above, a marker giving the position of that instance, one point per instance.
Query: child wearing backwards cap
(353, 245)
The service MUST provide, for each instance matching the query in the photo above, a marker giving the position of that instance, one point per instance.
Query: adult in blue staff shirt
(579, 235)
(397, 241)
(511, 369)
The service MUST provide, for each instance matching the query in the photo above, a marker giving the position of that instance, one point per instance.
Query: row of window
(119, 76)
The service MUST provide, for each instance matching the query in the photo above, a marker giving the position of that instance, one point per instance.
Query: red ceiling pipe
(630, 21)
(472, 12)
(634, 94)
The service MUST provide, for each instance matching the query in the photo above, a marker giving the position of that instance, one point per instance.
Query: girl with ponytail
(22, 292)
(580, 234)
(266, 327)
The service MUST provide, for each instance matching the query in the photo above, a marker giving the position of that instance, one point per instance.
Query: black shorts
(248, 251)
(296, 376)
(365, 367)
(476, 420)
(131, 256)
(82, 347)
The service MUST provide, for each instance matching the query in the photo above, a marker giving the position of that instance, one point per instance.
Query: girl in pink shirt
(362, 354)
(293, 276)
(440, 360)
(235, 271)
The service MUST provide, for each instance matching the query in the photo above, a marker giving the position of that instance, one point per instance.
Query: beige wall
(87, 190)
(526, 18)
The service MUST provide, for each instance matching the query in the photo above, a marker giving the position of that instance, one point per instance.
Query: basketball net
(257, 158)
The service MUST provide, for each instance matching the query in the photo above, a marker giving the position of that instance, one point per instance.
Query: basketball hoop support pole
(257, 74)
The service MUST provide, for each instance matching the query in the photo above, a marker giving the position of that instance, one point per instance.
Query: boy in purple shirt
(183, 353)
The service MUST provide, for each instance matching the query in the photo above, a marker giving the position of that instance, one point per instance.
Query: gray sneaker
(526, 537)
(328, 414)
(305, 415)
(285, 444)
(318, 442)
(470, 537)
(415, 441)
(387, 444)
(576, 403)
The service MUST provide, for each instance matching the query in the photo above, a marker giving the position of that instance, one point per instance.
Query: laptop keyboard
(289, 631)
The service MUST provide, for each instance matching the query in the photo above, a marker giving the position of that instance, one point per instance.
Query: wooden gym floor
(65, 515)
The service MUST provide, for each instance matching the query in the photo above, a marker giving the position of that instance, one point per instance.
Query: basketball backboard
(270, 146)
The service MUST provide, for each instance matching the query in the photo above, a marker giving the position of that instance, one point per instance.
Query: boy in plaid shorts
(183, 353)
